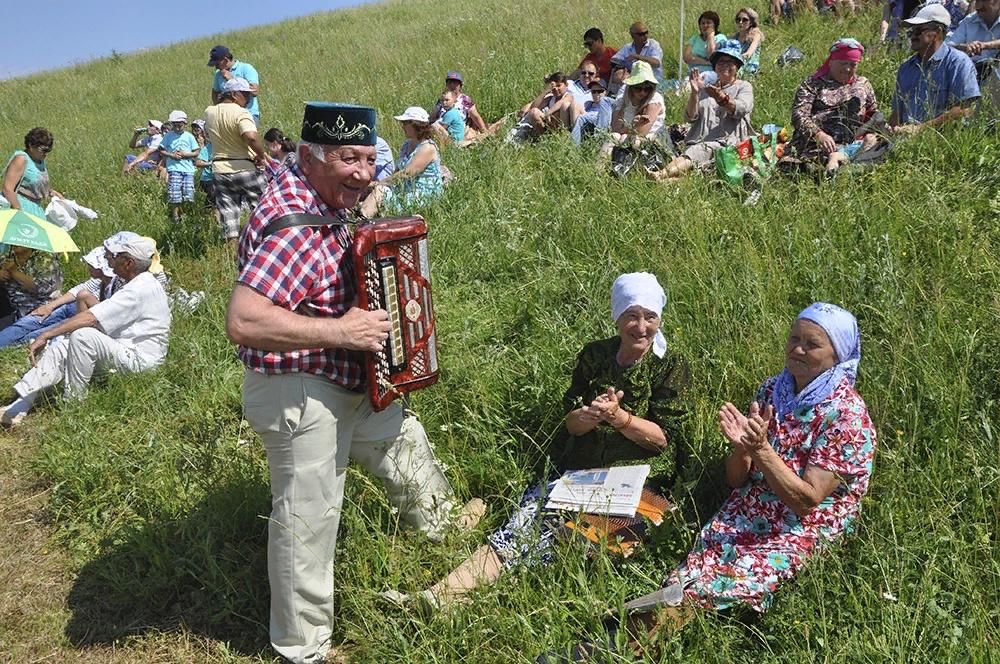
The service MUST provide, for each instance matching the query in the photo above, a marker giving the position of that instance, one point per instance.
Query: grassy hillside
(158, 491)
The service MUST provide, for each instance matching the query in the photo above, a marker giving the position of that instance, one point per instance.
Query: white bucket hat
(414, 114)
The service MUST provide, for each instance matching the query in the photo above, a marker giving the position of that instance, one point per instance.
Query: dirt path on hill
(36, 577)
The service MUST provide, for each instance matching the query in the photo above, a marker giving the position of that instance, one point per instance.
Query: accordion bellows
(392, 262)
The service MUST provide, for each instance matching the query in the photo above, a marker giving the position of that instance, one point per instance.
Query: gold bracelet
(628, 422)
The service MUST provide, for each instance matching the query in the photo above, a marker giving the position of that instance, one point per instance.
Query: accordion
(393, 266)
(393, 269)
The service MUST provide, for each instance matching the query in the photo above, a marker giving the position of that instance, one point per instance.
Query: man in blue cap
(300, 337)
(227, 67)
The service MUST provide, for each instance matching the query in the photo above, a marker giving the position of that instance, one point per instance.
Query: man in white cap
(938, 83)
(238, 156)
(126, 332)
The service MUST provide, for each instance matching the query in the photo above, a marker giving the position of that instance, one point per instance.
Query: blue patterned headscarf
(842, 328)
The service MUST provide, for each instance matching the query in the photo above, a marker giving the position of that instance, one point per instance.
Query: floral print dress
(755, 542)
(835, 108)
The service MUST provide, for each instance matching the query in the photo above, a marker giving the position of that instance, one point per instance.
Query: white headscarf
(643, 289)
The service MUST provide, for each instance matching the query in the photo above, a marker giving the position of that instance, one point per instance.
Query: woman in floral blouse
(30, 278)
(831, 106)
(625, 403)
(800, 464)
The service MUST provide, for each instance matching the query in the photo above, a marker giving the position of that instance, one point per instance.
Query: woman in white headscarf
(625, 403)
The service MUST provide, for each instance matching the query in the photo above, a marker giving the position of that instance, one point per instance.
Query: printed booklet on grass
(611, 491)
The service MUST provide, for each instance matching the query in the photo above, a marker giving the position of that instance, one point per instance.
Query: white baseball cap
(236, 84)
(132, 244)
(415, 114)
(177, 116)
(95, 259)
(930, 13)
(155, 123)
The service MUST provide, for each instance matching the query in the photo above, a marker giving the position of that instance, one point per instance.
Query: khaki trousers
(74, 358)
(310, 429)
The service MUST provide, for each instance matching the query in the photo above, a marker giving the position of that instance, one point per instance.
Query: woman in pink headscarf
(831, 106)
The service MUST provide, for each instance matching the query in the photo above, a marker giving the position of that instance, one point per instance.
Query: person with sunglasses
(26, 177)
(938, 83)
(596, 113)
(637, 115)
(750, 37)
(642, 48)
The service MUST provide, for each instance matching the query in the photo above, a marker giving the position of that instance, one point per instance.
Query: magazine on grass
(612, 491)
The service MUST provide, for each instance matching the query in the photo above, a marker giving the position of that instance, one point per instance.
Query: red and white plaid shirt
(303, 269)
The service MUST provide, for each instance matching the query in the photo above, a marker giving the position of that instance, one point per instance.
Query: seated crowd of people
(801, 452)
(618, 95)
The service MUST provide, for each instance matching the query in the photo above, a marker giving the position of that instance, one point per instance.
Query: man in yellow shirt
(238, 156)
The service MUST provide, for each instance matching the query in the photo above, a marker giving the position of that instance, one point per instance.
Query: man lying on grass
(127, 332)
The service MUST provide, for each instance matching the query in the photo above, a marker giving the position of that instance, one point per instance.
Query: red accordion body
(392, 263)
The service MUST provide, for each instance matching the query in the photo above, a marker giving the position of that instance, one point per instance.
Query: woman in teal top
(700, 47)
(418, 178)
(26, 178)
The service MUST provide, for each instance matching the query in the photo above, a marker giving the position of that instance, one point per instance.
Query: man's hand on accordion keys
(359, 329)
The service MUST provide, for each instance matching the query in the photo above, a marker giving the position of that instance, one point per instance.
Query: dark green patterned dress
(655, 389)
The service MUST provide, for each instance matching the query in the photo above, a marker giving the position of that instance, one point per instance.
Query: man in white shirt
(127, 332)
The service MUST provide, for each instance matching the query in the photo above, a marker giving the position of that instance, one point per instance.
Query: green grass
(158, 491)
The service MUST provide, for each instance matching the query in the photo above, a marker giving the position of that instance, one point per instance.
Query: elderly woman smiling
(800, 463)
(831, 106)
(719, 113)
(626, 402)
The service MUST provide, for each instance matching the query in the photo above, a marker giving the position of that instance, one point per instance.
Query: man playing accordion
(302, 340)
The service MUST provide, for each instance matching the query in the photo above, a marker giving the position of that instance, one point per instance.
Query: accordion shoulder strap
(300, 219)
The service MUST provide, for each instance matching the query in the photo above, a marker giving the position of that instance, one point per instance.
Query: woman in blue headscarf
(799, 466)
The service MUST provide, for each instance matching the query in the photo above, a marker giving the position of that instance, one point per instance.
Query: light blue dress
(33, 187)
(423, 188)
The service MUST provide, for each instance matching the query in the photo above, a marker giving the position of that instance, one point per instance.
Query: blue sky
(49, 34)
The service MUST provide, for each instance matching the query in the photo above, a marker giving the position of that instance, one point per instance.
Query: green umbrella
(26, 230)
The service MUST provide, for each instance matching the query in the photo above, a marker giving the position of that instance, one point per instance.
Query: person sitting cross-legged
(127, 332)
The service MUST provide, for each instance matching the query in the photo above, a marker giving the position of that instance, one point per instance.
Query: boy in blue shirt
(179, 148)
(452, 121)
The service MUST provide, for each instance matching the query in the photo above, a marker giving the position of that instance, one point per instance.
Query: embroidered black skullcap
(329, 123)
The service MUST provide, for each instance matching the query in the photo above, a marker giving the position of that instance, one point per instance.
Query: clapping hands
(694, 79)
(604, 408)
(746, 433)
